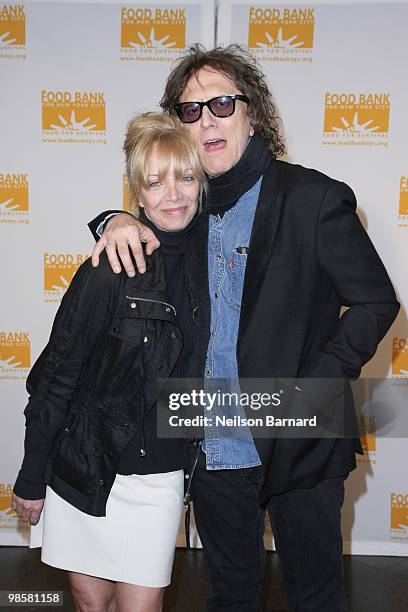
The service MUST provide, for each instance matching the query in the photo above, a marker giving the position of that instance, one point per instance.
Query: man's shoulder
(292, 176)
(309, 189)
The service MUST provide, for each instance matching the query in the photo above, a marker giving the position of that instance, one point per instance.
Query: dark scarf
(173, 245)
(226, 189)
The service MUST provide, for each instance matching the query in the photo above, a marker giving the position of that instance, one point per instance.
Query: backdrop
(72, 75)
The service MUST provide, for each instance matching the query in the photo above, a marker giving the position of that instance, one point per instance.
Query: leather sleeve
(83, 315)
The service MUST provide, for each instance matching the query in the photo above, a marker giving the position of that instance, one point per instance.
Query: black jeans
(306, 528)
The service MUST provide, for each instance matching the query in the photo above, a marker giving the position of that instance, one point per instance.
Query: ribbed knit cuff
(29, 490)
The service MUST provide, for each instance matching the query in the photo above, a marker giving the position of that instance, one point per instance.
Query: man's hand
(27, 509)
(123, 232)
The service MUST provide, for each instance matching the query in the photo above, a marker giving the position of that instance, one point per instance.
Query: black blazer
(308, 256)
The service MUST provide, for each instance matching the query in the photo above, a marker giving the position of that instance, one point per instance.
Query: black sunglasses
(221, 106)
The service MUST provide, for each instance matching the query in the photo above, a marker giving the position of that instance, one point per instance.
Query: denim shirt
(234, 447)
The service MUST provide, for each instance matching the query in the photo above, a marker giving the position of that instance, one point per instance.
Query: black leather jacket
(113, 336)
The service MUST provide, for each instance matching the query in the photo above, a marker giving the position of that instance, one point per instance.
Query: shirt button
(213, 332)
(101, 482)
(187, 476)
(133, 305)
(219, 255)
(216, 295)
(208, 372)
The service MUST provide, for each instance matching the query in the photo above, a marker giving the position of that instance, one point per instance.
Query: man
(280, 251)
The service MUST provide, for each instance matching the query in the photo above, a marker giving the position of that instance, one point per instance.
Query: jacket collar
(263, 236)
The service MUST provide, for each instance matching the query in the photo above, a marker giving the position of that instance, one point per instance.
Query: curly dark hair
(239, 65)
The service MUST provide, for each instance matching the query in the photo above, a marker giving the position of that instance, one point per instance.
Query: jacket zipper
(142, 438)
(129, 297)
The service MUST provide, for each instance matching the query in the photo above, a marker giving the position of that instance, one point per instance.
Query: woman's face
(172, 203)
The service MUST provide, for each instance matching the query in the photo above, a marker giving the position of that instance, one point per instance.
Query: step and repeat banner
(336, 70)
(73, 74)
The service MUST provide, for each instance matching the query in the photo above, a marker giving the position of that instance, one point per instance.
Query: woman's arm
(84, 314)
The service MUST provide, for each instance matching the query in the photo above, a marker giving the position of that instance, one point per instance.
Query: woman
(114, 491)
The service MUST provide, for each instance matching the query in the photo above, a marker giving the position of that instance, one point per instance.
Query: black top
(166, 455)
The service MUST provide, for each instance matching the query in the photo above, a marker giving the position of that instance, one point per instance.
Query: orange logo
(127, 201)
(399, 513)
(73, 116)
(281, 33)
(13, 198)
(59, 270)
(356, 118)
(400, 357)
(6, 492)
(8, 518)
(152, 33)
(403, 202)
(14, 355)
(367, 433)
(12, 25)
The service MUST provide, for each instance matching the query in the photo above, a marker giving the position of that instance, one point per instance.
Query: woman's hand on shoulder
(124, 232)
(27, 509)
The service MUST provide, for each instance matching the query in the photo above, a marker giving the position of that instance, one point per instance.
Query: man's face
(220, 141)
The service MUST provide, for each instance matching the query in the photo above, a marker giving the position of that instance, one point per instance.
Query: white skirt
(134, 543)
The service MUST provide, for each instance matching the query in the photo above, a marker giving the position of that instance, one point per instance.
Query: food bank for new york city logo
(13, 197)
(367, 433)
(73, 112)
(399, 515)
(127, 198)
(152, 28)
(364, 115)
(277, 30)
(12, 25)
(403, 199)
(400, 357)
(59, 269)
(8, 518)
(14, 354)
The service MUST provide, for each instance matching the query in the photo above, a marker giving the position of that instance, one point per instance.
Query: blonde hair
(174, 145)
